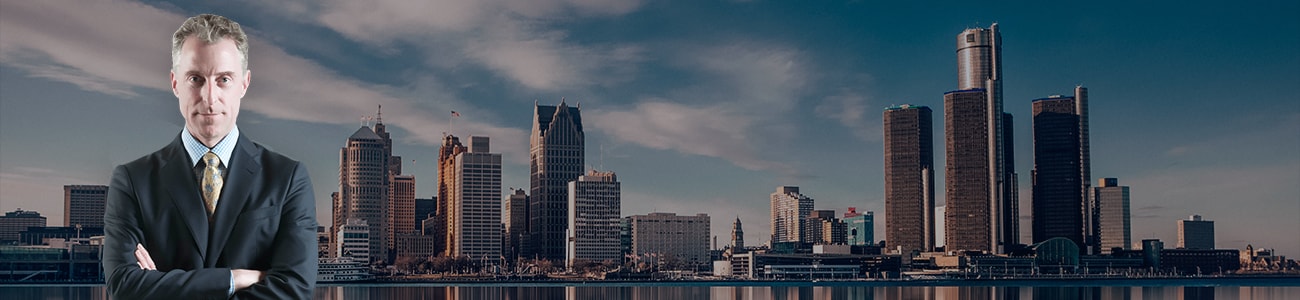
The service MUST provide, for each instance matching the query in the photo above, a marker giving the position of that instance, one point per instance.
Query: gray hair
(209, 28)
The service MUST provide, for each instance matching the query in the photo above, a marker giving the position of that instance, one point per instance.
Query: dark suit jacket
(264, 220)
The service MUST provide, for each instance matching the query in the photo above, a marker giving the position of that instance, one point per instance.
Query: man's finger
(143, 259)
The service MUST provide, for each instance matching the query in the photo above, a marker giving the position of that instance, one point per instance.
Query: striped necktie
(211, 181)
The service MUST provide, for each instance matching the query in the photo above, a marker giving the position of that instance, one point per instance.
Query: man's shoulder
(152, 160)
(270, 158)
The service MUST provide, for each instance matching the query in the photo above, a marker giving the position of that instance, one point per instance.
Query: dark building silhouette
(1060, 183)
(969, 184)
(909, 178)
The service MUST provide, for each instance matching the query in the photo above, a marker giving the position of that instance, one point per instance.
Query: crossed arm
(132, 273)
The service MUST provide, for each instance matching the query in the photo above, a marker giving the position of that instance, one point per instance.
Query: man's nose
(209, 93)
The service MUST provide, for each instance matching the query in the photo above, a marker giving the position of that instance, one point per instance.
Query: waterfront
(1288, 288)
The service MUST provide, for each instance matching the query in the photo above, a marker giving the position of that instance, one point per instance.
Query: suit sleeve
(122, 231)
(293, 258)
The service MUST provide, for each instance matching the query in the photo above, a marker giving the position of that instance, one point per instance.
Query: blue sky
(699, 106)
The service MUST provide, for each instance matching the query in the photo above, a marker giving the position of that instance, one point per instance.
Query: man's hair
(209, 28)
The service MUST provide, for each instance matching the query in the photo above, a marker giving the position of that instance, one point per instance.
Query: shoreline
(1259, 280)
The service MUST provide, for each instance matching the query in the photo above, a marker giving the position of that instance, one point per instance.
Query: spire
(379, 115)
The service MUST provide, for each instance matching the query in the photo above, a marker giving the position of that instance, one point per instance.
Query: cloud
(849, 109)
(755, 88)
(509, 38)
(102, 57)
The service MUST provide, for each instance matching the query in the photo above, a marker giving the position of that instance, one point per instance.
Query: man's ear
(172, 75)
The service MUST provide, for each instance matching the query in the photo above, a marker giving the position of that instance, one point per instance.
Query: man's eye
(224, 79)
(195, 79)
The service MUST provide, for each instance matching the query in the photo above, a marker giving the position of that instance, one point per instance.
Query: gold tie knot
(211, 181)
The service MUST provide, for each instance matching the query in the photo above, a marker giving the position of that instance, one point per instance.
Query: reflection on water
(640, 292)
(803, 292)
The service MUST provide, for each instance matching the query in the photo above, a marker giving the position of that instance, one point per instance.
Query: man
(212, 215)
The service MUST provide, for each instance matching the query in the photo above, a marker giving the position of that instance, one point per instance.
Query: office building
(556, 152)
(789, 209)
(363, 189)
(1114, 224)
(909, 178)
(401, 207)
(969, 187)
(514, 214)
(594, 208)
(84, 205)
(1060, 197)
(684, 239)
(979, 67)
(354, 240)
(13, 223)
(474, 219)
(860, 228)
(424, 209)
(451, 147)
(1195, 233)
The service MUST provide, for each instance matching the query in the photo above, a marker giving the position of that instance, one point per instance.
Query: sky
(698, 106)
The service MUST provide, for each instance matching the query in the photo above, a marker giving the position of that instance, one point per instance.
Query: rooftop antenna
(602, 156)
(380, 114)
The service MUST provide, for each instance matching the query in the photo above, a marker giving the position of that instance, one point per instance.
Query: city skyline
(766, 97)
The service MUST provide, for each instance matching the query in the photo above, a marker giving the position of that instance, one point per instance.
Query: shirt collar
(223, 149)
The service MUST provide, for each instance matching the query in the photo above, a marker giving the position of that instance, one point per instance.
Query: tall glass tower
(909, 178)
(979, 67)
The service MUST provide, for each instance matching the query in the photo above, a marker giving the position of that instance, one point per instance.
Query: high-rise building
(424, 208)
(860, 228)
(1195, 233)
(737, 237)
(363, 189)
(515, 217)
(13, 223)
(789, 209)
(1058, 203)
(556, 152)
(451, 147)
(909, 178)
(84, 205)
(1113, 219)
(1061, 205)
(475, 200)
(354, 240)
(683, 238)
(824, 229)
(970, 190)
(979, 67)
(594, 208)
(401, 207)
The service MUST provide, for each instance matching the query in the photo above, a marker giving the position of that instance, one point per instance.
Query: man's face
(209, 81)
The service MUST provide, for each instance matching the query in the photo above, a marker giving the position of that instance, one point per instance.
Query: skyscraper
(968, 218)
(594, 208)
(515, 217)
(475, 201)
(789, 209)
(401, 207)
(424, 207)
(555, 158)
(1061, 205)
(363, 192)
(451, 147)
(909, 178)
(1113, 219)
(84, 205)
(1195, 233)
(979, 67)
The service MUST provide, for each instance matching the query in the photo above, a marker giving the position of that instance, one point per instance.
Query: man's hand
(245, 278)
(142, 258)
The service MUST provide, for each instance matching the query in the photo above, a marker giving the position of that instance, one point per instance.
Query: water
(689, 291)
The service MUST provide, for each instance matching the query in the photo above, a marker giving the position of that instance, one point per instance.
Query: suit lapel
(178, 176)
(245, 170)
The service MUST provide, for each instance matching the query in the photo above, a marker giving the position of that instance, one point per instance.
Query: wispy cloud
(849, 109)
(101, 57)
